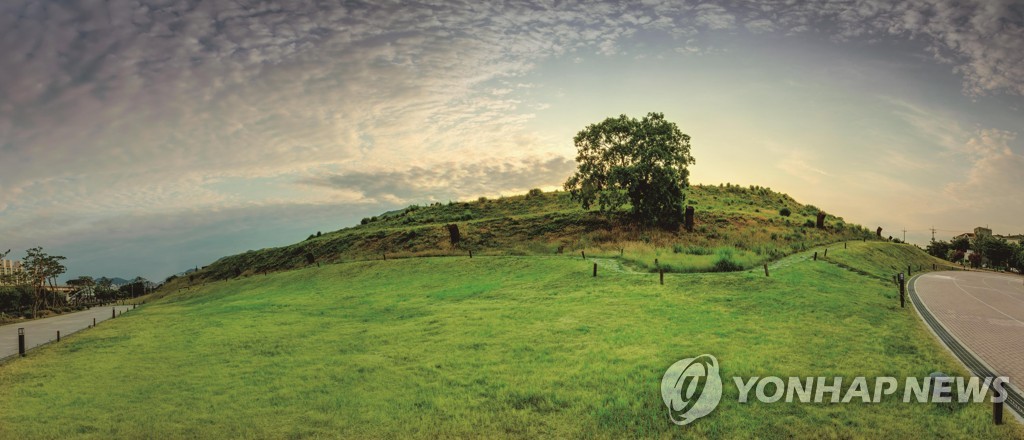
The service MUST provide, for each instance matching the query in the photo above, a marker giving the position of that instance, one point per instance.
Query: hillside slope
(741, 225)
(500, 346)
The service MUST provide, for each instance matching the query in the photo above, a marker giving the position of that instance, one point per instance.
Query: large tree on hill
(641, 162)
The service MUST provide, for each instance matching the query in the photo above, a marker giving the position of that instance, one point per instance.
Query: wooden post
(113, 313)
(903, 289)
(815, 255)
(766, 269)
(908, 270)
(94, 322)
(583, 254)
(661, 276)
(997, 406)
(21, 341)
(826, 252)
(470, 253)
(385, 255)
(595, 269)
(844, 245)
(58, 335)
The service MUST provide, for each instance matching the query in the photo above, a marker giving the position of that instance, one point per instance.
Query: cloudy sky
(144, 137)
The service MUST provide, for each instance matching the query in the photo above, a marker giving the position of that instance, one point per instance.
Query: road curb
(971, 361)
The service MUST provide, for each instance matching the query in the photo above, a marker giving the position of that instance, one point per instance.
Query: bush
(482, 199)
(691, 250)
(364, 221)
(785, 212)
(725, 262)
(809, 223)
(536, 192)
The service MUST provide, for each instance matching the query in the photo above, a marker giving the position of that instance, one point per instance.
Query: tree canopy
(640, 162)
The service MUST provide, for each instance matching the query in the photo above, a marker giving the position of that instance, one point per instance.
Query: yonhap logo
(691, 388)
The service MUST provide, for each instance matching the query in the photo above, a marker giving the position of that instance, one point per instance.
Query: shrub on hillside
(726, 262)
(691, 250)
(536, 192)
(785, 212)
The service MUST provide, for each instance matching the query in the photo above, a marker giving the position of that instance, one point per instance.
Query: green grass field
(488, 347)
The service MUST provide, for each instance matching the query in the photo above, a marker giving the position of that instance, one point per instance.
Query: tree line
(986, 251)
(33, 290)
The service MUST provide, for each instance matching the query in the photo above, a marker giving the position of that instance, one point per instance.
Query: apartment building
(10, 267)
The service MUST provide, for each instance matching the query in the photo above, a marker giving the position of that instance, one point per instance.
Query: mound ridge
(745, 225)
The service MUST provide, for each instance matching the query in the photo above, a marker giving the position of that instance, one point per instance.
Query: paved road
(984, 311)
(41, 331)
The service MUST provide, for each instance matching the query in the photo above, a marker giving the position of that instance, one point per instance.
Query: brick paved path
(985, 312)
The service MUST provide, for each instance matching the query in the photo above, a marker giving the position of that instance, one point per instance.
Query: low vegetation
(490, 347)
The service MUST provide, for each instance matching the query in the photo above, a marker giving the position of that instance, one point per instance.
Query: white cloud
(994, 177)
(450, 181)
(115, 108)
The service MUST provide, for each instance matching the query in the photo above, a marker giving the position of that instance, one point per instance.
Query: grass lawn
(485, 347)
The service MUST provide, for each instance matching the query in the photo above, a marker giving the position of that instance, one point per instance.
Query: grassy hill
(520, 346)
(735, 228)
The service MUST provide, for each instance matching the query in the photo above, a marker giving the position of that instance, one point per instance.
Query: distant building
(980, 232)
(967, 235)
(1012, 239)
(9, 268)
